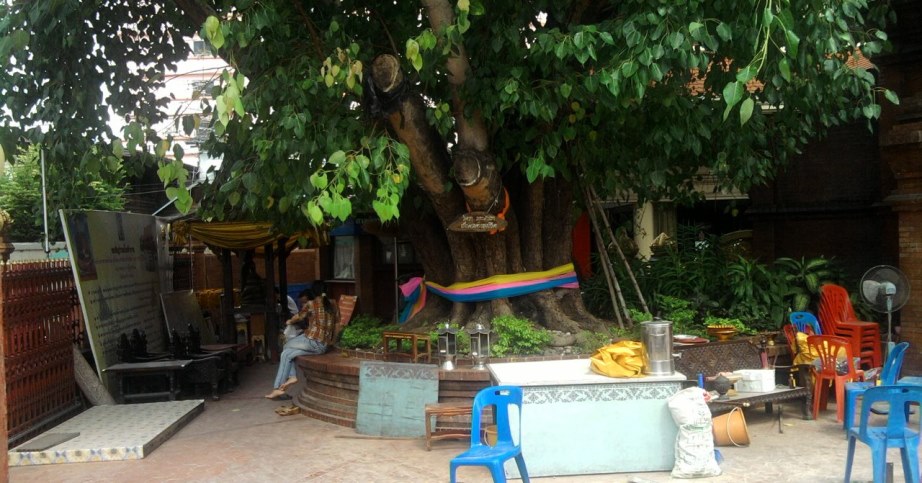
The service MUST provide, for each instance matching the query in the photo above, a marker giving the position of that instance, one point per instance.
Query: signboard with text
(121, 264)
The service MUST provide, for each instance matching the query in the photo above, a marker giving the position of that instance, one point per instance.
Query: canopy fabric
(495, 287)
(242, 235)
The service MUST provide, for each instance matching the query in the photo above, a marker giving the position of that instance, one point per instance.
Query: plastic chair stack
(896, 434)
(493, 457)
(888, 376)
(837, 317)
(829, 348)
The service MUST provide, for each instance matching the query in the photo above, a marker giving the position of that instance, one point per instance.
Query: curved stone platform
(331, 392)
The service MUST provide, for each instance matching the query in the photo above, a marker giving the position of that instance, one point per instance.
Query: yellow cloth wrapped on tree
(621, 359)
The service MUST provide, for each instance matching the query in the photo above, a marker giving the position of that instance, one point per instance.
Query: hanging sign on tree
(478, 221)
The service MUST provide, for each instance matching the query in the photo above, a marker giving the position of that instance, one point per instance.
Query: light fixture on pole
(448, 346)
(480, 345)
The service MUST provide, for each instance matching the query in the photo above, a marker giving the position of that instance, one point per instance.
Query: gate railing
(41, 322)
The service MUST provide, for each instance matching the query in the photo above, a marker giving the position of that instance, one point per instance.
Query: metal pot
(656, 338)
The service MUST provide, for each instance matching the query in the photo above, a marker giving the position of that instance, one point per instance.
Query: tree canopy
(600, 88)
(331, 107)
(21, 194)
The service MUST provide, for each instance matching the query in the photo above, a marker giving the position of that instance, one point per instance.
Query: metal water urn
(656, 337)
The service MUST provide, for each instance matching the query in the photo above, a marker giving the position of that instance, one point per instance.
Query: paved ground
(241, 439)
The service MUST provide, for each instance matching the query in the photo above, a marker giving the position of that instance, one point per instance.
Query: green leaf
(785, 69)
(188, 125)
(628, 69)
(694, 26)
(214, 32)
(319, 180)
(793, 41)
(723, 30)
(565, 90)
(746, 110)
(745, 74)
(314, 213)
(178, 152)
(337, 157)
(871, 111)
(117, 150)
(892, 97)
(732, 93)
(676, 39)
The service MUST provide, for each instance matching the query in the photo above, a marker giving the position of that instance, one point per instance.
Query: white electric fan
(885, 289)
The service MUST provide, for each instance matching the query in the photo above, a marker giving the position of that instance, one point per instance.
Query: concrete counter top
(562, 372)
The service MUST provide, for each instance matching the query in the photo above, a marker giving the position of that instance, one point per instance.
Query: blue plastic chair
(803, 319)
(493, 457)
(888, 375)
(896, 434)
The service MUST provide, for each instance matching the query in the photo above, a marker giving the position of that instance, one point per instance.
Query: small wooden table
(414, 340)
(168, 369)
(446, 409)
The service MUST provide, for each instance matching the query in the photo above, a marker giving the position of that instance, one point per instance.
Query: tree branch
(315, 36)
(471, 132)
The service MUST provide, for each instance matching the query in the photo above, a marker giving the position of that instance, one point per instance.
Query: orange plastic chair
(837, 317)
(829, 347)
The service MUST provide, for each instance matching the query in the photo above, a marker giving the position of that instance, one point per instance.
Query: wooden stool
(445, 409)
(414, 339)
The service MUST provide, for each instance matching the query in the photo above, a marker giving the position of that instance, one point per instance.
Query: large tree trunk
(539, 216)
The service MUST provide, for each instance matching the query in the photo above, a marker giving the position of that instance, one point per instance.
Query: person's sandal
(287, 410)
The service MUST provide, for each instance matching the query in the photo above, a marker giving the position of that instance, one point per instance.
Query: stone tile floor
(241, 439)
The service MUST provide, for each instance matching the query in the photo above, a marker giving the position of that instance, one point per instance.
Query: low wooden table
(414, 340)
(777, 395)
(447, 409)
(168, 369)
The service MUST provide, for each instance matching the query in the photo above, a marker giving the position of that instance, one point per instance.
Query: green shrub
(364, 332)
(680, 313)
(518, 336)
(638, 316)
(587, 342)
(723, 321)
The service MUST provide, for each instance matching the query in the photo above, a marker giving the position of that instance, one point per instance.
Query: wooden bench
(728, 356)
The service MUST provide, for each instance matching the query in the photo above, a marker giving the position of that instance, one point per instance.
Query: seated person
(298, 321)
(321, 315)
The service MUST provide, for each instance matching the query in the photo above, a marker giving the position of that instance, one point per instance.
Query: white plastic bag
(694, 446)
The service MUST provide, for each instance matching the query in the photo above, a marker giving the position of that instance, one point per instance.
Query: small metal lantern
(480, 345)
(448, 346)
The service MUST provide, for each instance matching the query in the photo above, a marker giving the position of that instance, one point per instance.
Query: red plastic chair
(829, 347)
(837, 317)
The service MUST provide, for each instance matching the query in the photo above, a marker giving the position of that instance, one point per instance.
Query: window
(199, 48)
(344, 257)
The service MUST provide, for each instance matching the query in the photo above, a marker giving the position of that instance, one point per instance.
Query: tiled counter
(575, 421)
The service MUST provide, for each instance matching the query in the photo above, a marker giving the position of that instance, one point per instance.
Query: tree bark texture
(539, 216)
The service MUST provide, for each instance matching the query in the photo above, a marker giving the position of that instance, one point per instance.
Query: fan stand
(889, 323)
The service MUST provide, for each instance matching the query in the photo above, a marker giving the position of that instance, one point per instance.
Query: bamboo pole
(614, 289)
(611, 233)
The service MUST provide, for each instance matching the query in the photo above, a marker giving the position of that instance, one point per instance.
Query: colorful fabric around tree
(495, 287)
